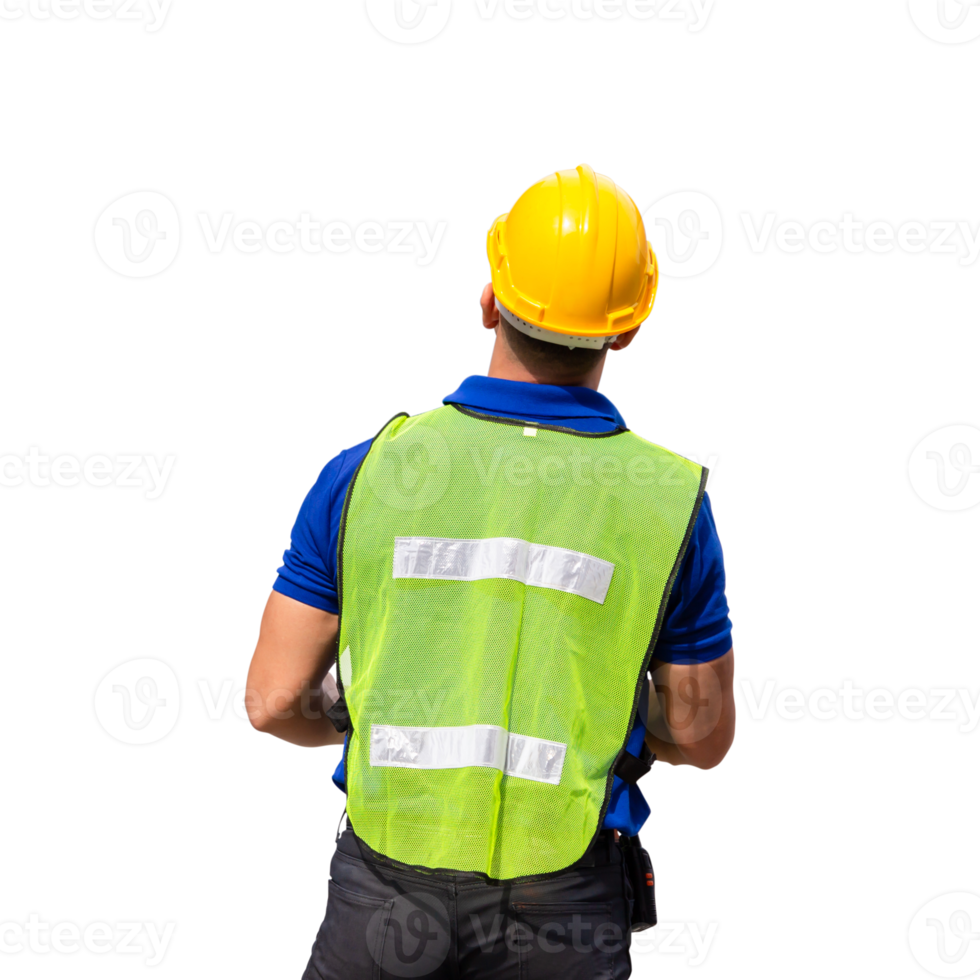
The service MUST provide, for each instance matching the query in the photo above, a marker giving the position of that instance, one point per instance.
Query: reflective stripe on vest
(469, 745)
(500, 599)
(533, 564)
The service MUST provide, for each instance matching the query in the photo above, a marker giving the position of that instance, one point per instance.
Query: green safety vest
(502, 584)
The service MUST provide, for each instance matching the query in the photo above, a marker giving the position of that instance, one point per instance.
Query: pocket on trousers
(350, 943)
(565, 942)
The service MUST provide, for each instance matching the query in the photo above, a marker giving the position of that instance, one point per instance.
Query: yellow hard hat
(572, 258)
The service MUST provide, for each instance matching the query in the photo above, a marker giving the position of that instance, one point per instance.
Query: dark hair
(541, 355)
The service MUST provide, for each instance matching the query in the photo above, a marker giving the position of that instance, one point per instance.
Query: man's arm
(284, 692)
(691, 718)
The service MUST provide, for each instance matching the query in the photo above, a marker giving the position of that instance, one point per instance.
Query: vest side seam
(680, 558)
(661, 613)
(645, 666)
(340, 546)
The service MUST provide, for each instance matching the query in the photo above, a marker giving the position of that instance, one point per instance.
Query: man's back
(501, 591)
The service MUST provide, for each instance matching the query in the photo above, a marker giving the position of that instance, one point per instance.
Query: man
(511, 567)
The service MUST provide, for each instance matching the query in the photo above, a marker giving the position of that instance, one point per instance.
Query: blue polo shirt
(696, 627)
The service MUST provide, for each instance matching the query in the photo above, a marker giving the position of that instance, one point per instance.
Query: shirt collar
(518, 399)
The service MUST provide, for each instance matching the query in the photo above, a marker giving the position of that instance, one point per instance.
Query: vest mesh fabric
(534, 661)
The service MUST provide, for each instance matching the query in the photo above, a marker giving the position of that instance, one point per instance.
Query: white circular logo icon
(944, 468)
(947, 21)
(686, 232)
(138, 235)
(416, 941)
(138, 702)
(409, 21)
(413, 470)
(944, 935)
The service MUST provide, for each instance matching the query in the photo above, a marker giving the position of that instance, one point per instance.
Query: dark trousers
(384, 920)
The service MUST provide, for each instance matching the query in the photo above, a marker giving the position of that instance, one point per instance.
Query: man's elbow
(262, 720)
(709, 758)
(268, 713)
(710, 752)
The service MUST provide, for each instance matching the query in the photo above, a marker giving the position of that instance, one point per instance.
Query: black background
(812, 376)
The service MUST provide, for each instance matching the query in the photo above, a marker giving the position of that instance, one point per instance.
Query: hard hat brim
(552, 336)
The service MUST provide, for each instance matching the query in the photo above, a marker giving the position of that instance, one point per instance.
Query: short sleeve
(309, 570)
(696, 627)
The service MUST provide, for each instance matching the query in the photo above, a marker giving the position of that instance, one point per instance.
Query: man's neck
(504, 365)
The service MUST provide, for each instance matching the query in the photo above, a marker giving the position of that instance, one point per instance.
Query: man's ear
(624, 339)
(491, 315)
